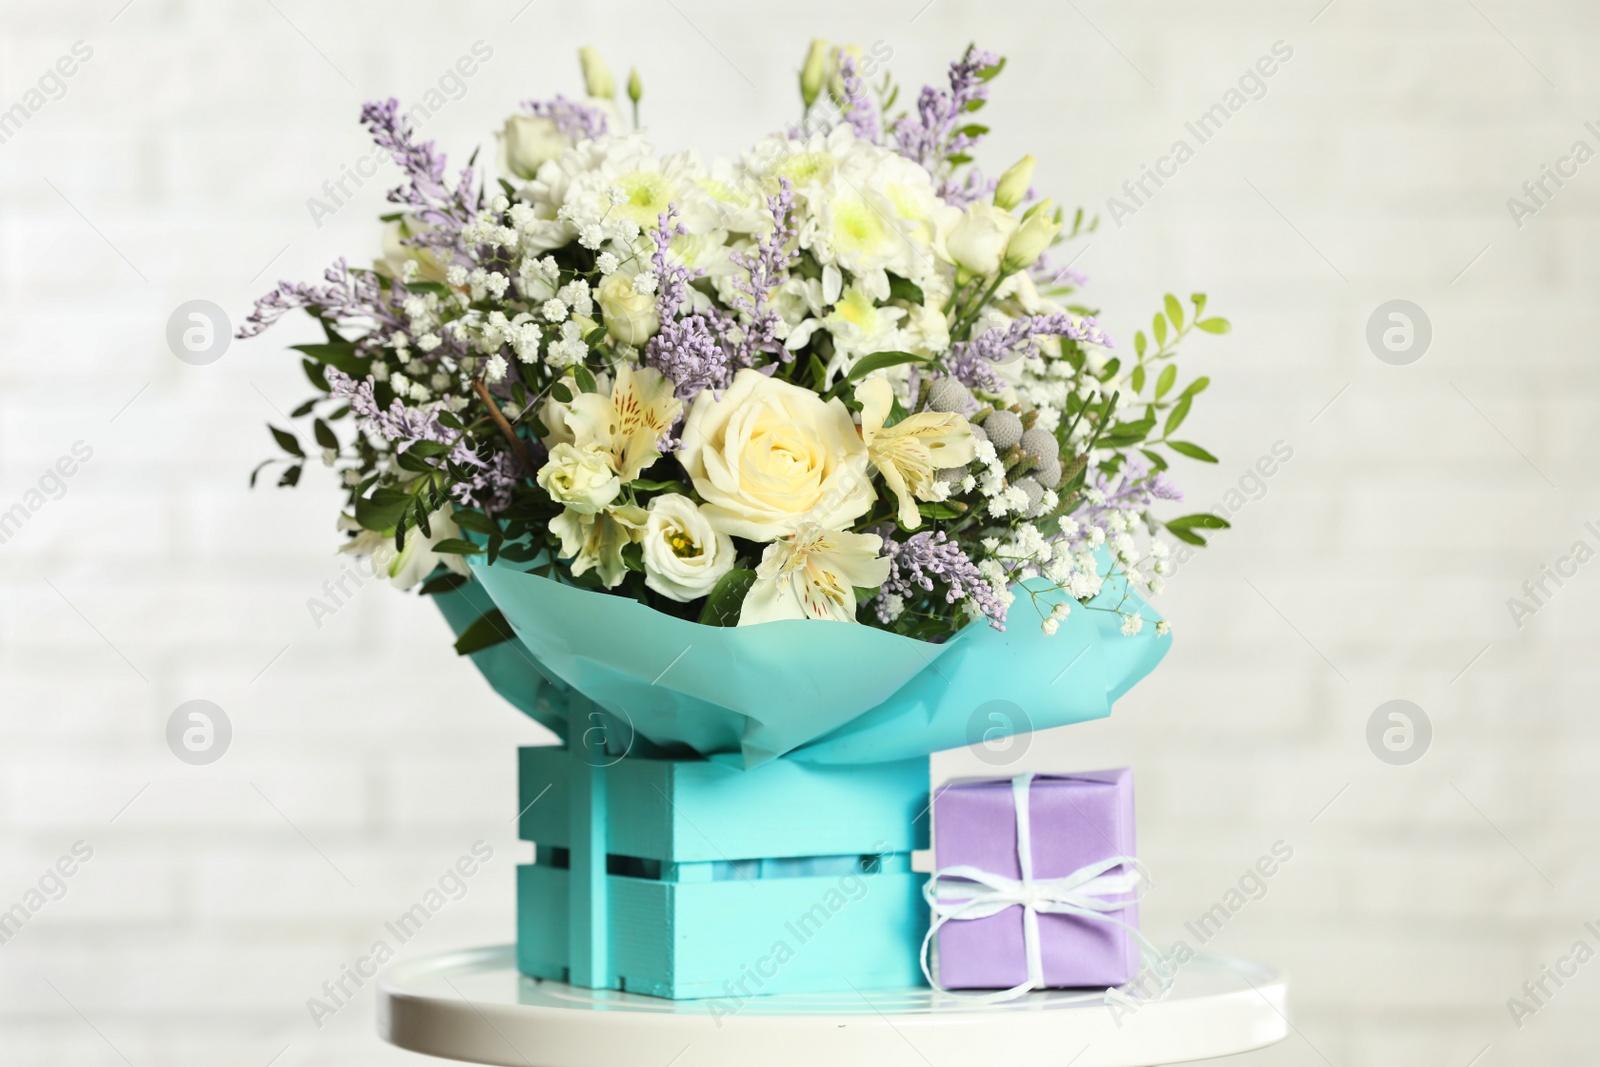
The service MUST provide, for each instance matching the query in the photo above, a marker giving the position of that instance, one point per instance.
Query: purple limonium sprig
(573, 118)
(767, 268)
(925, 558)
(1046, 275)
(694, 351)
(349, 297)
(402, 426)
(858, 110)
(973, 362)
(442, 208)
(937, 130)
(1133, 488)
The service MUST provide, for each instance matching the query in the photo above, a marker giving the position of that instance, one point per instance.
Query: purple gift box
(1076, 820)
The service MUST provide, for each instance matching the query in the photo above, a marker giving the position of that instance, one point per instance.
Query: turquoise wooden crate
(696, 878)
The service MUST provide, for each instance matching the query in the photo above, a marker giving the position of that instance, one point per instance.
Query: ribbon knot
(1090, 892)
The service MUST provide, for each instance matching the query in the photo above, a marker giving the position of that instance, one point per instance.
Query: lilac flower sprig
(973, 362)
(349, 297)
(937, 132)
(572, 118)
(694, 351)
(767, 268)
(925, 558)
(490, 482)
(443, 209)
(859, 112)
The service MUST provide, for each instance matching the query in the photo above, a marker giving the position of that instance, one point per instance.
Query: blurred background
(1422, 469)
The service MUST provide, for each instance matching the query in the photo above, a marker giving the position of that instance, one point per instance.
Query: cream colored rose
(630, 317)
(683, 556)
(978, 242)
(528, 142)
(581, 478)
(769, 455)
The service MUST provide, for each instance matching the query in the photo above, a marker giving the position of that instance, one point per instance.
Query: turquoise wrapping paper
(818, 691)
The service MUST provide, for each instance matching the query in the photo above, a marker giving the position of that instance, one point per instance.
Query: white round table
(472, 1005)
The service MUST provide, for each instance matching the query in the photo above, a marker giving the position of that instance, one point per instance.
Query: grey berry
(1004, 429)
(1049, 473)
(1034, 490)
(978, 433)
(952, 474)
(1039, 443)
(947, 394)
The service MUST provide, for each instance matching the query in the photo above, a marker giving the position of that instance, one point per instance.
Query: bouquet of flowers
(841, 378)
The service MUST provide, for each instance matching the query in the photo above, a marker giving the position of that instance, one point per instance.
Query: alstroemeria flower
(908, 453)
(595, 542)
(814, 574)
(630, 422)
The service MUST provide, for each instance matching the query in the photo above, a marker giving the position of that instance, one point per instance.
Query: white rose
(528, 141)
(630, 317)
(978, 242)
(683, 555)
(769, 455)
(581, 478)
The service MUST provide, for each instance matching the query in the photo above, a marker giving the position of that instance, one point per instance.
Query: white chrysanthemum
(649, 183)
(860, 327)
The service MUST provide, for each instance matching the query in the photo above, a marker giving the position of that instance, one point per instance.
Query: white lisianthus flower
(631, 316)
(814, 574)
(978, 242)
(581, 477)
(528, 142)
(595, 542)
(908, 453)
(683, 555)
(416, 560)
(400, 259)
(769, 456)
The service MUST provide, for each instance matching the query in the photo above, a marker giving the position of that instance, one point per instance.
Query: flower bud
(635, 86)
(814, 72)
(978, 241)
(597, 78)
(1014, 183)
(1039, 228)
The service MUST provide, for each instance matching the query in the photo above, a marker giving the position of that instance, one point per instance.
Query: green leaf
(905, 289)
(410, 461)
(726, 598)
(1203, 520)
(595, 336)
(420, 510)
(1139, 344)
(1158, 326)
(315, 376)
(1188, 536)
(1180, 411)
(263, 465)
(448, 582)
(476, 521)
(342, 356)
(973, 130)
(936, 509)
(1199, 300)
(457, 547)
(1193, 451)
(287, 441)
(291, 476)
(585, 380)
(324, 435)
(1137, 378)
(1169, 376)
(879, 360)
(562, 394)
(428, 449)
(1157, 461)
(960, 157)
(306, 408)
(382, 510)
(1196, 386)
(1215, 325)
(643, 485)
(1174, 311)
(488, 630)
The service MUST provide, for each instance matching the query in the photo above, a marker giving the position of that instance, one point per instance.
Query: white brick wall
(191, 140)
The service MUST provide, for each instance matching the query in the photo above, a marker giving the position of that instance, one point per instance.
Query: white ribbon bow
(1089, 892)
